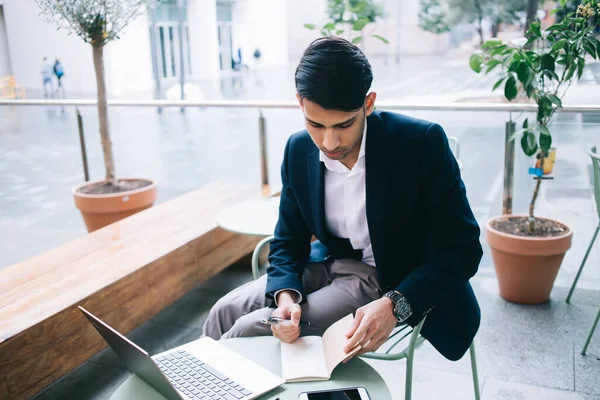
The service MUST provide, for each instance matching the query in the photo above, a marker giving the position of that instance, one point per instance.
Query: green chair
(455, 147)
(256, 256)
(596, 167)
(415, 340)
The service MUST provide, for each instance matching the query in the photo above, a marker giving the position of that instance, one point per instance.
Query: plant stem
(98, 52)
(531, 225)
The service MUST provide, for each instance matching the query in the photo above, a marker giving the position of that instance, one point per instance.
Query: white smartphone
(354, 393)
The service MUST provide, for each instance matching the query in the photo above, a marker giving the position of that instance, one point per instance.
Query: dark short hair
(335, 74)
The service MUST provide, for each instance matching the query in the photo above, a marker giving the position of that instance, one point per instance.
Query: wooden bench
(124, 273)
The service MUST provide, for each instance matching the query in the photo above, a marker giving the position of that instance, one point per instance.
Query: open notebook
(313, 358)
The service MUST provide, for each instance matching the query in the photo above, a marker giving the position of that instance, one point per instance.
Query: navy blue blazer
(424, 236)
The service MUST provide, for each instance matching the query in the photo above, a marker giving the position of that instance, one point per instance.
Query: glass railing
(41, 161)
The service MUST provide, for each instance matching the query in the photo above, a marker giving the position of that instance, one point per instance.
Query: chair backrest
(454, 146)
(596, 167)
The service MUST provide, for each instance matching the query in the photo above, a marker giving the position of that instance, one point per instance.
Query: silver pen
(276, 320)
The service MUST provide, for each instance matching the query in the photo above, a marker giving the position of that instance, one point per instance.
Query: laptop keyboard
(197, 380)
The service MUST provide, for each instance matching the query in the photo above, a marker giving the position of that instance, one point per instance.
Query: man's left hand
(372, 326)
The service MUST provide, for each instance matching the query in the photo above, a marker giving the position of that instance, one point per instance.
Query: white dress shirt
(346, 204)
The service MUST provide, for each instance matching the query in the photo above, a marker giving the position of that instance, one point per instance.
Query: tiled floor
(523, 352)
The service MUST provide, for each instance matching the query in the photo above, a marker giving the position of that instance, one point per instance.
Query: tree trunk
(479, 9)
(109, 163)
(495, 28)
(532, 8)
(480, 32)
(535, 195)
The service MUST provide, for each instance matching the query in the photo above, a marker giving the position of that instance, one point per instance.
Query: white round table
(252, 217)
(265, 351)
(256, 217)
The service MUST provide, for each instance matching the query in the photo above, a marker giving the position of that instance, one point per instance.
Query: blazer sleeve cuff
(289, 282)
(414, 298)
(297, 300)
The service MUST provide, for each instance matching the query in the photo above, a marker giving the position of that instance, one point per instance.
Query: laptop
(199, 370)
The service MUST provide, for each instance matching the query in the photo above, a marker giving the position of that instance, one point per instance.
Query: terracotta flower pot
(526, 267)
(100, 210)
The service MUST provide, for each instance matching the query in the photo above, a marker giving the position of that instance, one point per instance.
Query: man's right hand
(287, 309)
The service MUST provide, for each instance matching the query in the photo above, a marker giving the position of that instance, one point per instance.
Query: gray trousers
(333, 290)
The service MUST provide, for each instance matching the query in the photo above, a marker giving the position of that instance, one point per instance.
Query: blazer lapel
(316, 184)
(377, 165)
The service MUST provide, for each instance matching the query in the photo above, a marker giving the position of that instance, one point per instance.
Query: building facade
(199, 39)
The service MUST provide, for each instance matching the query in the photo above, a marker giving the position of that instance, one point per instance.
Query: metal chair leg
(256, 256)
(412, 344)
(474, 371)
(589, 337)
(587, 253)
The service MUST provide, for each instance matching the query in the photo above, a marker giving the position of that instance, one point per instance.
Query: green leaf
(548, 62)
(384, 40)
(339, 31)
(563, 2)
(535, 29)
(476, 61)
(329, 26)
(360, 24)
(545, 139)
(325, 32)
(510, 89)
(530, 89)
(589, 48)
(555, 100)
(571, 71)
(359, 7)
(500, 50)
(488, 44)
(524, 73)
(559, 44)
(526, 124)
(517, 134)
(312, 27)
(528, 144)
(545, 108)
(580, 67)
(553, 11)
(492, 64)
(498, 83)
(357, 40)
(556, 27)
(551, 75)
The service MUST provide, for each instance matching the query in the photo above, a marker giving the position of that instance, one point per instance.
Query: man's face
(337, 133)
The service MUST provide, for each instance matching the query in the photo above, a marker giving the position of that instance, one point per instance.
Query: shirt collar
(337, 166)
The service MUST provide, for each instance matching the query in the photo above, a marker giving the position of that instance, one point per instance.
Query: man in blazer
(396, 239)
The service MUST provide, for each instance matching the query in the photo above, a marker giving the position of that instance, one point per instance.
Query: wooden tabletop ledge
(124, 273)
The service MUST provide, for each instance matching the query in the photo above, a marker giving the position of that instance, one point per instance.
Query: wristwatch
(402, 310)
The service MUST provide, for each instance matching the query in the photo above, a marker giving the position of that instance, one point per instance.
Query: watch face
(402, 310)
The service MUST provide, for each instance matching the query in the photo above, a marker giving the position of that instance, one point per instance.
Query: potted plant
(528, 250)
(98, 23)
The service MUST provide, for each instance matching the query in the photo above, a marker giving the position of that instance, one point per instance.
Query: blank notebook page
(303, 359)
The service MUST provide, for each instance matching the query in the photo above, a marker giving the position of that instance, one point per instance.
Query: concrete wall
(302, 12)
(30, 39)
(127, 61)
(204, 43)
(262, 24)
